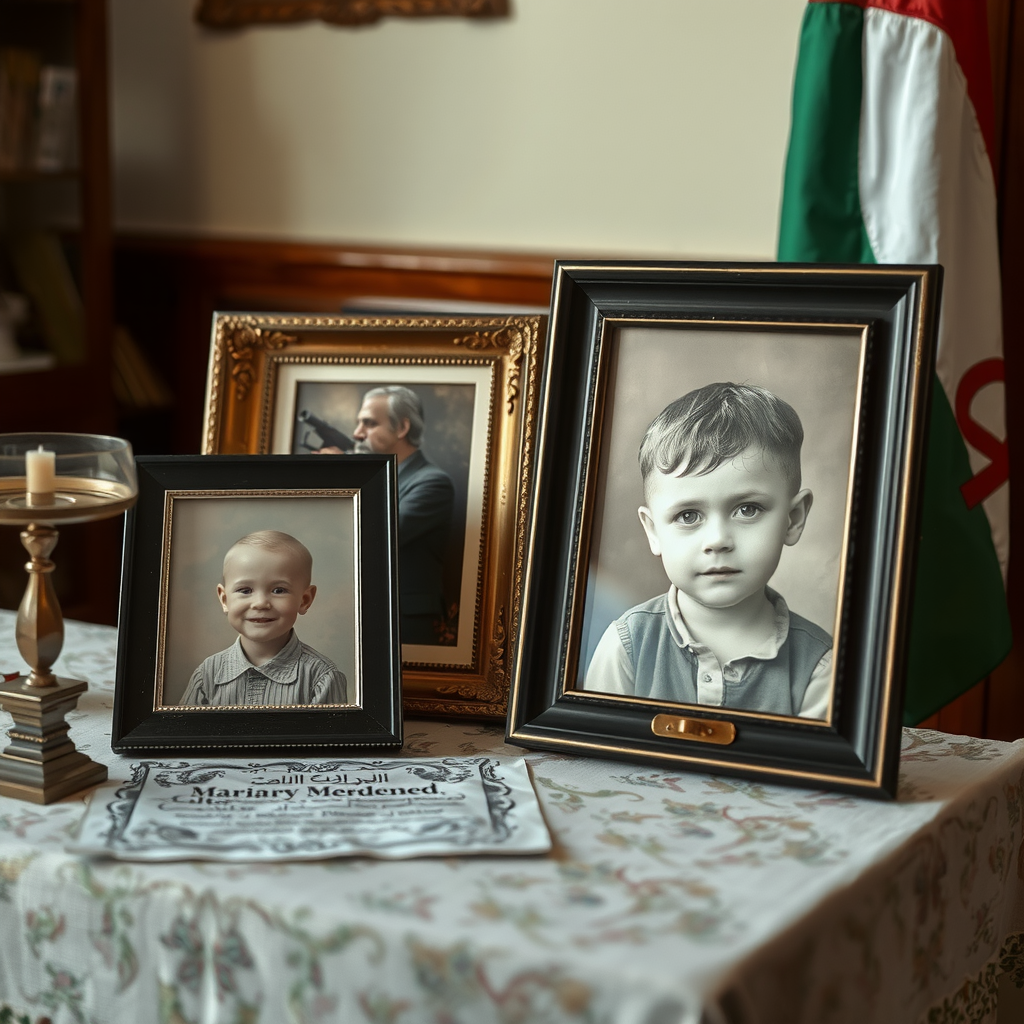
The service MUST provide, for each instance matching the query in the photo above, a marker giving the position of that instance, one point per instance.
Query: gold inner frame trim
(163, 606)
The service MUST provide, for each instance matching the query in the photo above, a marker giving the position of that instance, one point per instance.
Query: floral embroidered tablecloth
(669, 898)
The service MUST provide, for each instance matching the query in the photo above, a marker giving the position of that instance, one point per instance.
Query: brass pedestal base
(41, 763)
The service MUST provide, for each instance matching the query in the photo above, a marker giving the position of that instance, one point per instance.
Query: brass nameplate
(702, 730)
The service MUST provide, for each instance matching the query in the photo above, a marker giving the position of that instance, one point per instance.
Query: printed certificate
(306, 810)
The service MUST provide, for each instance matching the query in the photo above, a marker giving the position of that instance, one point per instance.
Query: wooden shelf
(33, 177)
(39, 3)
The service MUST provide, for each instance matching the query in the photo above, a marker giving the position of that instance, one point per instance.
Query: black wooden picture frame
(190, 511)
(854, 345)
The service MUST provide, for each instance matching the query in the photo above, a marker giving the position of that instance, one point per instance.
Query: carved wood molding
(244, 340)
(236, 13)
(510, 337)
(493, 688)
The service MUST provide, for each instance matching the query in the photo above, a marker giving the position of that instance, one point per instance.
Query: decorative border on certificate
(300, 810)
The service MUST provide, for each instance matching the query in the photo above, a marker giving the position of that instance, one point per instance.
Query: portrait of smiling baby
(266, 585)
(723, 497)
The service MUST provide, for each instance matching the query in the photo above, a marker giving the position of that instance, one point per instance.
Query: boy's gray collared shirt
(297, 675)
(611, 669)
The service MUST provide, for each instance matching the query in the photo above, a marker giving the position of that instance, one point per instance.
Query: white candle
(41, 476)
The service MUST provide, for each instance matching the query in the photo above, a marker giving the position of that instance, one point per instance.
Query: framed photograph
(721, 540)
(454, 400)
(236, 13)
(259, 607)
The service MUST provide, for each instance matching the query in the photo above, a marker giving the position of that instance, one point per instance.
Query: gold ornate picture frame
(278, 383)
(236, 13)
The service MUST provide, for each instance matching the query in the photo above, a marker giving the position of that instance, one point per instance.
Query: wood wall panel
(168, 290)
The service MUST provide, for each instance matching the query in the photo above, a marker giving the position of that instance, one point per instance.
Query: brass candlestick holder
(92, 477)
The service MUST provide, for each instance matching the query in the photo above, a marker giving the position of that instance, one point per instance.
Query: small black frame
(175, 535)
(620, 330)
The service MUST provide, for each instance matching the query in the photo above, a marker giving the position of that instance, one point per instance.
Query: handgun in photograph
(330, 436)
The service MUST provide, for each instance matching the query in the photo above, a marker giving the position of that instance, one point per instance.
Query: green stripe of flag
(821, 219)
(960, 624)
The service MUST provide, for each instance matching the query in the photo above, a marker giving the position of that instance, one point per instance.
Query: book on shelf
(38, 114)
(13, 316)
(41, 269)
(19, 97)
(56, 136)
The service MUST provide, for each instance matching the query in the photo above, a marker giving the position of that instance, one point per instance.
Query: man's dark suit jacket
(425, 500)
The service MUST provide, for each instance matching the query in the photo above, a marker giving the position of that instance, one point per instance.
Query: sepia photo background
(202, 530)
(651, 366)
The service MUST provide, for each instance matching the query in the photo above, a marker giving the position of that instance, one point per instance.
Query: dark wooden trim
(313, 255)
(1005, 699)
(999, 12)
(236, 13)
(995, 708)
(965, 716)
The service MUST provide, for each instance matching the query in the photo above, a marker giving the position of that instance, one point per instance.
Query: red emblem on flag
(997, 472)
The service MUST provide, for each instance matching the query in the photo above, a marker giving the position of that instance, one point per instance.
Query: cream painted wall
(618, 126)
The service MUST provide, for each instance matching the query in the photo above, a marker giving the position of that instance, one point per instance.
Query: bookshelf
(55, 212)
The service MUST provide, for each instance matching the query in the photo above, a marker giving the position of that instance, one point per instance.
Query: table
(669, 898)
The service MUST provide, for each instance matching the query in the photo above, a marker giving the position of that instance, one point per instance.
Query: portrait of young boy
(265, 586)
(722, 498)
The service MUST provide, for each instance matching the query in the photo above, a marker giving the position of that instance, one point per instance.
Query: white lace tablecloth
(669, 898)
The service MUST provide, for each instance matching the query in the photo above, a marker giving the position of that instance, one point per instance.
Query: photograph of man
(390, 421)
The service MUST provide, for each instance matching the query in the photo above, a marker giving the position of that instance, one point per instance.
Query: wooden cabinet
(67, 205)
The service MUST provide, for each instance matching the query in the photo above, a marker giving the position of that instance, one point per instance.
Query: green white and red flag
(890, 161)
